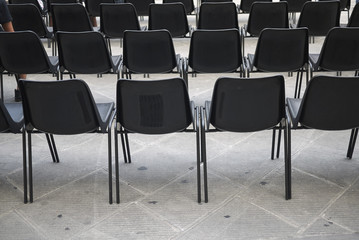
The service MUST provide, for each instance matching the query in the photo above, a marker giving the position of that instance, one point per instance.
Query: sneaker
(18, 97)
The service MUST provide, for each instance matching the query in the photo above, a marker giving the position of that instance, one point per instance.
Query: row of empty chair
(163, 106)
(210, 51)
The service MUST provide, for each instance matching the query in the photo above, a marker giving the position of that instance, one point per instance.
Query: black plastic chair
(265, 15)
(42, 9)
(85, 53)
(354, 17)
(189, 5)
(23, 53)
(148, 52)
(142, 6)
(170, 16)
(62, 107)
(154, 107)
(319, 17)
(70, 17)
(247, 105)
(339, 52)
(28, 17)
(281, 50)
(116, 18)
(328, 104)
(11, 117)
(218, 15)
(214, 51)
(245, 5)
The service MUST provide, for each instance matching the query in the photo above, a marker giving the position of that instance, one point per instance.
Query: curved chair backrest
(153, 107)
(329, 103)
(245, 5)
(28, 17)
(170, 16)
(354, 17)
(50, 2)
(116, 18)
(93, 6)
(218, 15)
(149, 51)
(215, 51)
(247, 104)
(42, 9)
(267, 15)
(344, 4)
(281, 50)
(295, 5)
(83, 52)
(340, 50)
(59, 107)
(11, 117)
(319, 17)
(188, 4)
(23, 52)
(71, 17)
(142, 6)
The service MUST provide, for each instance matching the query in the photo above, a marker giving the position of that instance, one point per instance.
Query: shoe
(18, 97)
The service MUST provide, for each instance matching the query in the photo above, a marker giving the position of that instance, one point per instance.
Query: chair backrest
(215, 51)
(267, 15)
(153, 107)
(295, 5)
(188, 4)
(340, 51)
(50, 2)
(11, 117)
(42, 9)
(23, 52)
(142, 6)
(149, 51)
(247, 104)
(354, 17)
(245, 5)
(70, 17)
(27, 17)
(93, 6)
(344, 4)
(4, 124)
(116, 18)
(218, 15)
(281, 50)
(330, 103)
(83, 52)
(59, 107)
(319, 17)
(170, 16)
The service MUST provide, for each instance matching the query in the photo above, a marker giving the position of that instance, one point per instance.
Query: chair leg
(127, 147)
(109, 166)
(52, 147)
(117, 165)
(352, 141)
(30, 168)
(287, 162)
(2, 87)
(198, 148)
(204, 155)
(24, 165)
(273, 144)
(279, 139)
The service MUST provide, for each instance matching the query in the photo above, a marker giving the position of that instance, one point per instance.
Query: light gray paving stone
(325, 227)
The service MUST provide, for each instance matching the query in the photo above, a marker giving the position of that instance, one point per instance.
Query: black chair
(42, 8)
(265, 15)
(218, 15)
(328, 105)
(70, 17)
(116, 18)
(149, 52)
(339, 52)
(154, 107)
(319, 17)
(245, 5)
(214, 51)
(85, 53)
(11, 117)
(344, 6)
(23, 53)
(354, 17)
(247, 105)
(188, 4)
(281, 50)
(62, 107)
(170, 16)
(142, 6)
(28, 17)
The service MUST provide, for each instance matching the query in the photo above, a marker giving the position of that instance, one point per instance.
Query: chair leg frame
(351, 146)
